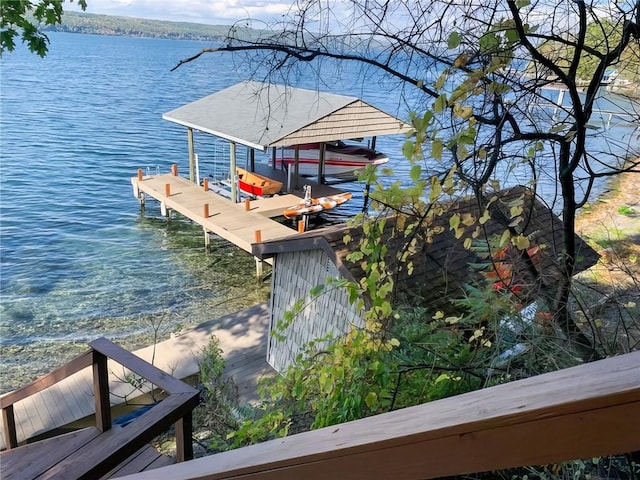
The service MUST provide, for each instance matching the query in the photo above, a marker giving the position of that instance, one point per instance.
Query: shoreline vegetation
(97, 24)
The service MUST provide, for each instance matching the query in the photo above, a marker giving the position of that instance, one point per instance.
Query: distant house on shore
(441, 267)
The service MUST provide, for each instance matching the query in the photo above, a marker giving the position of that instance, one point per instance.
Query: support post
(174, 170)
(184, 444)
(296, 167)
(167, 189)
(273, 157)
(373, 143)
(139, 174)
(300, 226)
(205, 210)
(259, 268)
(232, 173)
(101, 391)
(247, 204)
(9, 424)
(205, 184)
(323, 149)
(258, 236)
(207, 239)
(252, 160)
(192, 160)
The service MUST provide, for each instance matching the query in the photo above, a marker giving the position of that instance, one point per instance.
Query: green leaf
(436, 149)
(440, 103)
(506, 235)
(512, 35)
(488, 42)
(416, 172)
(408, 149)
(371, 400)
(441, 79)
(317, 290)
(521, 242)
(454, 40)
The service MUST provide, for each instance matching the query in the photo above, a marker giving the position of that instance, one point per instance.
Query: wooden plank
(139, 366)
(580, 412)
(53, 411)
(137, 462)
(184, 435)
(78, 393)
(101, 391)
(47, 380)
(30, 461)
(32, 424)
(161, 461)
(9, 425)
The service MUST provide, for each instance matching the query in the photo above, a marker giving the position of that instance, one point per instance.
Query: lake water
(79, 260)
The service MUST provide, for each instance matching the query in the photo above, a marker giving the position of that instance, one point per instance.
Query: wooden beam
(184, 440)
(191, 155)
(9, 425)
(101, 391)
(321, 153)
(581, 412)
(232, 172)
(134, 363)
(296, 167)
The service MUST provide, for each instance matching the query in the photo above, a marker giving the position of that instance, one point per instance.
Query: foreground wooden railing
(118, 443)
(581, 412)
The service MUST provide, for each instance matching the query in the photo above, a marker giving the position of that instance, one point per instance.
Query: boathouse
(442, 265)
(263, 117)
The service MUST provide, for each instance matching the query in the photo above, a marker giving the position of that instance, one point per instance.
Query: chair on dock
(104, 450)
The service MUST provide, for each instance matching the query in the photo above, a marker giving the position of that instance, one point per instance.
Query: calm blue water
(78, 259)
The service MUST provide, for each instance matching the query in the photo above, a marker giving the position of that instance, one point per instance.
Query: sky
(214, 12)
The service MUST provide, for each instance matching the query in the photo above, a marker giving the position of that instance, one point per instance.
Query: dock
(239, 223)
(242, 337)
(215, 213)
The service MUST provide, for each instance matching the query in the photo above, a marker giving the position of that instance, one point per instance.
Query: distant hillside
(91, 23)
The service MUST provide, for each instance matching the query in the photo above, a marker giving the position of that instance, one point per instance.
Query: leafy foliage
(24, 19)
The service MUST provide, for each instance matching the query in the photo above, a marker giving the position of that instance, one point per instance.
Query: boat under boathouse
(260, 117)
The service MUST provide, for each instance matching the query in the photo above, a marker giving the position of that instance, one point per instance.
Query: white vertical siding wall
(294, 275)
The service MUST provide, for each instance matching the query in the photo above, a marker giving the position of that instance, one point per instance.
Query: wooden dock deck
(216, 214)
(243, 340)
(220, 216)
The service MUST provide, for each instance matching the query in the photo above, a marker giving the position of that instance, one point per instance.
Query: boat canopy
(261, 116)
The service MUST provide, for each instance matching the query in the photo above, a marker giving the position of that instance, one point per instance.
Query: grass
(626, 210)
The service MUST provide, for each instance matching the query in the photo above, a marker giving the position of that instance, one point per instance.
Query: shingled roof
(261, 116)
(441, 267)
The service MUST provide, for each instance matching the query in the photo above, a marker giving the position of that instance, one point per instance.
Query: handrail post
(101, 391)
(184, 443)
(9, 423)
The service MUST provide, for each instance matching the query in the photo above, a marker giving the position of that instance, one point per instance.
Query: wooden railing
(116, 444)
(581, 412)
